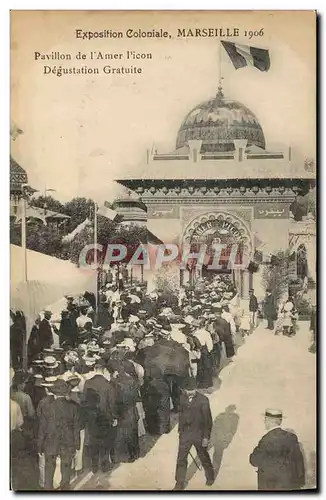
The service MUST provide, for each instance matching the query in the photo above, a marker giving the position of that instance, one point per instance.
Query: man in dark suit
(278, 457)
(102, 439)
(223, 330)
(253, 307)
(45, 332)
(59, 433)
(195, 426)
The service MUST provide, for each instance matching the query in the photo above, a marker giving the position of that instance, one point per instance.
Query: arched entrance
(219, 227)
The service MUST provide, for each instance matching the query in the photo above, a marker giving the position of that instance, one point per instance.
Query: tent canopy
(49, 279)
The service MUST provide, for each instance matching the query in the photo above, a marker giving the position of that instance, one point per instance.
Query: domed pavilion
(221, 184)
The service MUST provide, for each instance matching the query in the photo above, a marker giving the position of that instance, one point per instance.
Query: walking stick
(199, 467)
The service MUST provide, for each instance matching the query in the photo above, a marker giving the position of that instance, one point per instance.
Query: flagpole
(95, 260)
(220, 76)
(220, 64)
(24, 249)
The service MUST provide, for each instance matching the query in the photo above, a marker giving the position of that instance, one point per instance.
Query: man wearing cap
(59, 433)
(195, 426)
(278, 457)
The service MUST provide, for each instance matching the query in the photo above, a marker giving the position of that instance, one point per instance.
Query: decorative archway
(217, 226)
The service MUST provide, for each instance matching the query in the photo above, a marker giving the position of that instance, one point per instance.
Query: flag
(15, 132)
(71, 236)
(243, 55)
(107, 212)
(31, 212)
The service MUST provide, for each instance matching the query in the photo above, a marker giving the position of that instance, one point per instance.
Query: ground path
(268, 371)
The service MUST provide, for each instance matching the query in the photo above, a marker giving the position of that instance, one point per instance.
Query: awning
(49, 279)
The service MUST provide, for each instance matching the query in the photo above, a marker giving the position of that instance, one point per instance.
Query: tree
(276, 275)
(78, 209)
(44, 239)
(73, 249)
(49, 202)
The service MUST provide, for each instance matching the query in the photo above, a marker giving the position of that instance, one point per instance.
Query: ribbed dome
(218, 122)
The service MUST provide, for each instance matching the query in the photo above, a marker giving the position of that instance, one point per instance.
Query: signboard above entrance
(271, 211)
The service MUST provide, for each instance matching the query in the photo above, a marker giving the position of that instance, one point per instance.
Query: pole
(24, 250)
(23, 202)
(95, 261)
(220, 63)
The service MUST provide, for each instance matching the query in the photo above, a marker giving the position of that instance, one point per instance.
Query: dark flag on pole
(244, 55)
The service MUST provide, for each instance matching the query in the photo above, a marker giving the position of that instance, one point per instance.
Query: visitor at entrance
(253, 307)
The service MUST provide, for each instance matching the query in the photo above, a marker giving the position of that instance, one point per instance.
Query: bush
(276, 275)
(304, 308)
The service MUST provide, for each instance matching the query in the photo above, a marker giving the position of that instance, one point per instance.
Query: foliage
(276, 276)
(44, 239)
(50, 202)
(304, 308)
(78, 209)
(48, 239)
(168, 280)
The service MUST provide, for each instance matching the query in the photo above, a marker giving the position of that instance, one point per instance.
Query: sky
(81, 132)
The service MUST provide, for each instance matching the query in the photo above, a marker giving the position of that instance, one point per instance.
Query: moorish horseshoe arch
(222, 216)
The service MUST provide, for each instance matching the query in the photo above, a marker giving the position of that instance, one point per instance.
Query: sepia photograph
(163, 288)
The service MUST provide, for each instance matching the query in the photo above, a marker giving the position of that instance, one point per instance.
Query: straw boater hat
(50, 362)
(48, 351)
(38, 362)
(273, 413)
(48, 381)
(133, 319)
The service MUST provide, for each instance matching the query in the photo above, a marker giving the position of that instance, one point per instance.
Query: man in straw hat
(278, 456)
(195, 426)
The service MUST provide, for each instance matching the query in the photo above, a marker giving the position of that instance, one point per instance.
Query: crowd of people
(112, 371)
(95, 384)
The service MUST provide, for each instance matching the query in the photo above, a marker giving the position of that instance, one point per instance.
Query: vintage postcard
(163, 250)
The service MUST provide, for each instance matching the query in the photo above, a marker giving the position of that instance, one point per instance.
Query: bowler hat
(189, 384)
(60, 388)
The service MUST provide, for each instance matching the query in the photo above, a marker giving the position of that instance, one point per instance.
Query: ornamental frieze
(207, 192)
(244, 213)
